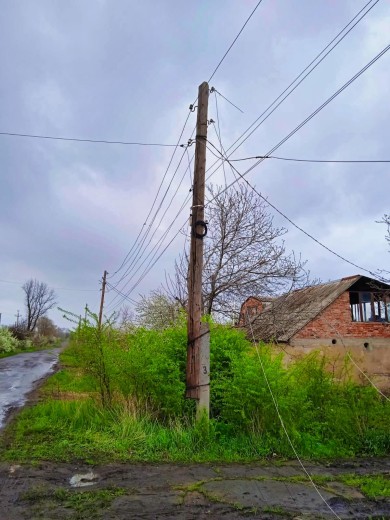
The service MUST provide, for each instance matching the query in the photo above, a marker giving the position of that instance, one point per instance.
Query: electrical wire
(330, 161)
(79, 140)
(301, 75)
(219, 136)
(155, 231)
(54, 288)
(213, 89)
(131, 300)
(313, 61)
(313, 114)
(154, 251)
(155, 198)
(284, 426)
(151, 265)
(234, 41)
(132, 259)
(266, 200)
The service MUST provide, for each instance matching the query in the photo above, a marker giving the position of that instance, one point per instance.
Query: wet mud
(148, 491)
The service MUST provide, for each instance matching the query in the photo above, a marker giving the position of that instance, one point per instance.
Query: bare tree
(46, 327)
(38, 300)
(157, 311)
(243, 254)
(126, 319)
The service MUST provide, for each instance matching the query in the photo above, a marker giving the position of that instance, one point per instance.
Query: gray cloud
(128, 72)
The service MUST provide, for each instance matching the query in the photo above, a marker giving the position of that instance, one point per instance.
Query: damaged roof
(289, 313)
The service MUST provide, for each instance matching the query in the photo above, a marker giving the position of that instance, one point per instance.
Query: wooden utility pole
(198, 378)
(102, 298)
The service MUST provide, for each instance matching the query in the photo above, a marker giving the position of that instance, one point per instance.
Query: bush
(8, 343)
(144, 372)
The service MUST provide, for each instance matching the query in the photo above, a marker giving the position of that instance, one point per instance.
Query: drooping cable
(281, 213)
(284, 426)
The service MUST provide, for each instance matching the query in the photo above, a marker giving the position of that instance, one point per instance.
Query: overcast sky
(126, 70)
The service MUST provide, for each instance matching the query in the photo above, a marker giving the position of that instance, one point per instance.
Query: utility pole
(17, 316)
(198, 372)
(102, 298)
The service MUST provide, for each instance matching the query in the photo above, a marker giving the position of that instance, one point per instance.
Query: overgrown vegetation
(120, 396)
(12, 343)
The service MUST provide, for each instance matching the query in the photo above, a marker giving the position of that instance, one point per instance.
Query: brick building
(351, 314)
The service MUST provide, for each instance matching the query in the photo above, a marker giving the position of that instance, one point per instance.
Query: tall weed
(141, 376)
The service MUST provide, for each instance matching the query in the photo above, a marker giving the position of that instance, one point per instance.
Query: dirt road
(147, 491)
(20, 374)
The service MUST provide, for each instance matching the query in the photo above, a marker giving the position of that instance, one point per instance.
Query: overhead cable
(284, 426)
(234, 41)
(313, 114)
(79, 140)
(155, 198)
(301, 77)
(54, 288)
(330, 161)
(281, 213)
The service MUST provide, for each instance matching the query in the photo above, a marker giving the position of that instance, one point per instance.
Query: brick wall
(336, 321)
(252, 307)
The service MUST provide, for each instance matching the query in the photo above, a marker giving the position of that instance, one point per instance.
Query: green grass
(147, 418)
(18, 351)
(33, 348)
(85, 504)
(66, 431)
(373, 486)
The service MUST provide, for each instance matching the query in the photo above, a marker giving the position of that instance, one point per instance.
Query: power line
(79, 140)
(55, 288)
(266, 200)
(213, 89)
(284, 426)
(218, 133)
(155, 198)
(313, 114)
(330, 161)
(234, 41)
(141, 248)
(364, 14)
(155, 248)
(149, 266)
(142, 251)
(301, 75)
(131, 300)
(357, 366)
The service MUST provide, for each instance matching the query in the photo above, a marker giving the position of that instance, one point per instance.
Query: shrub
(144, 372)
(8, 343)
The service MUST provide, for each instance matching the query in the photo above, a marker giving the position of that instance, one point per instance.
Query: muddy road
(266, 491)
(20, 374)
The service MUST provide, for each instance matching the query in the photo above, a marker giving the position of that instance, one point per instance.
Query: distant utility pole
(17, 315)
(102, 298)
(198, 357)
